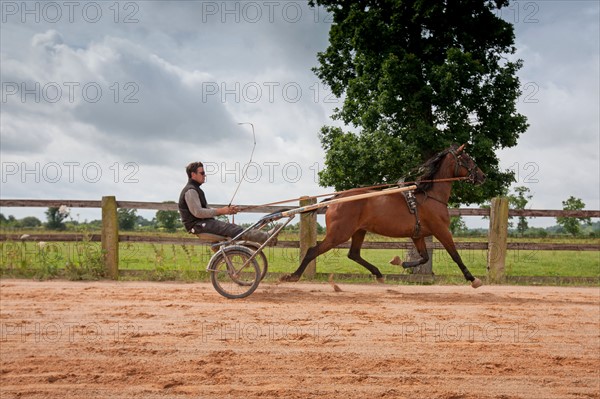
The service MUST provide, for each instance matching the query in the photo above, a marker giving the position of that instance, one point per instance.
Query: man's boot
(258, 236)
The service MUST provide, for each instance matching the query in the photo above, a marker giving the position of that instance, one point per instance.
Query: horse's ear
(460, 149)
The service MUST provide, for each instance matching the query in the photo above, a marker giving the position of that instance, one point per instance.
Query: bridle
(458, 163)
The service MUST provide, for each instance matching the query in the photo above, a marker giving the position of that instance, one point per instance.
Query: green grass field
(83, 260)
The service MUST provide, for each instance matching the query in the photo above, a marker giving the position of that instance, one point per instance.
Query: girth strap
(411, 201)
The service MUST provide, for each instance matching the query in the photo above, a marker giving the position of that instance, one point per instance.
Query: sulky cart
(237, 266)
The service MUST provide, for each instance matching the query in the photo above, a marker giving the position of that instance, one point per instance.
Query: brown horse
(389, 215)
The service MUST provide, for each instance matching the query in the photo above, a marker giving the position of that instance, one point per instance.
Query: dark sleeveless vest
(188, 219)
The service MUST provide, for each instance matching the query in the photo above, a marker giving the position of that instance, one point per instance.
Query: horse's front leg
(445, 237)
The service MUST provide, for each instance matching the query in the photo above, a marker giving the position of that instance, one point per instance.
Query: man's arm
(193, 201)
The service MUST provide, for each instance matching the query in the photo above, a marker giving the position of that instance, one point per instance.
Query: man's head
(195, 171)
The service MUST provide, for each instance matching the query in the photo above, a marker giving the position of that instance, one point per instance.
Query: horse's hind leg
(354, 254)
(311, 254)
(422, 249)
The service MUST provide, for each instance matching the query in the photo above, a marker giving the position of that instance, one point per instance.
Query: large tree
(416, 76)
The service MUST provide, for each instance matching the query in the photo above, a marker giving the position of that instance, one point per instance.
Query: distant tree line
(59, 219)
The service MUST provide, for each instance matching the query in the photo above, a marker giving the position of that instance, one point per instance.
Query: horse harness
(411, 199)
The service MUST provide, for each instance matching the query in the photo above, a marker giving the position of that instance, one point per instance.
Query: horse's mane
(430, 168)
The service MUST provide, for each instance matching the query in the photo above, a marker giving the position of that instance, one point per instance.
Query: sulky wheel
(231, 274)
(261, 258)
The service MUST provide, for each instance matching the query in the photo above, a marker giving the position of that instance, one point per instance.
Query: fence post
(308, 234)
(497, 239)
(110, 237)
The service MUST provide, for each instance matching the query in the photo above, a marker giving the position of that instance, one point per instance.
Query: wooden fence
(496, 246)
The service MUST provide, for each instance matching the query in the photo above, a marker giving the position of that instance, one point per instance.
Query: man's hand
(228, 210)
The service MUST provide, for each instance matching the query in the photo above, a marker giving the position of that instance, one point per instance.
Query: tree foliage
(573, 225)
(127, 218)
(168, 220)
(457, 225)
(55, 218)
(519, 200)
(417, 76)
(30, 222)
(27, 222)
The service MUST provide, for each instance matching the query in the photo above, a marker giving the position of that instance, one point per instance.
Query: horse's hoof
(380, 280)
(476, 283)
(333, 284)
(289, 278)
(396, 261)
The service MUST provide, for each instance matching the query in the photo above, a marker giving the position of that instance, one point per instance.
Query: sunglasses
(201, 173)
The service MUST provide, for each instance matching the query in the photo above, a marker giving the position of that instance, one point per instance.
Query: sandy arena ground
(176, 340)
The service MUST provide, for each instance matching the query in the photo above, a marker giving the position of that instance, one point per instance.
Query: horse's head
(465, 166)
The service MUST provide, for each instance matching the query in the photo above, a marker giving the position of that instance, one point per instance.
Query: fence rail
(496, 245)
(167, 206)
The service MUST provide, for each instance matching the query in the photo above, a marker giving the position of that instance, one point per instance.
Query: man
(198, 218)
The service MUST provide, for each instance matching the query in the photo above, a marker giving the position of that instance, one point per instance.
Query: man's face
(199, 176)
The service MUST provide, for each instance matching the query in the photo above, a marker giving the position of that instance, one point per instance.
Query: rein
(404, 183)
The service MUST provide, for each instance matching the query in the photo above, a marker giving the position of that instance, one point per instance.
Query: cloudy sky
(106, 98)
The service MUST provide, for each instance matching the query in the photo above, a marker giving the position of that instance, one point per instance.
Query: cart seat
(208, 237)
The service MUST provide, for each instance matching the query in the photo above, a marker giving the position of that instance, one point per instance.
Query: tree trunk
(426, 268)
(308, 234)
